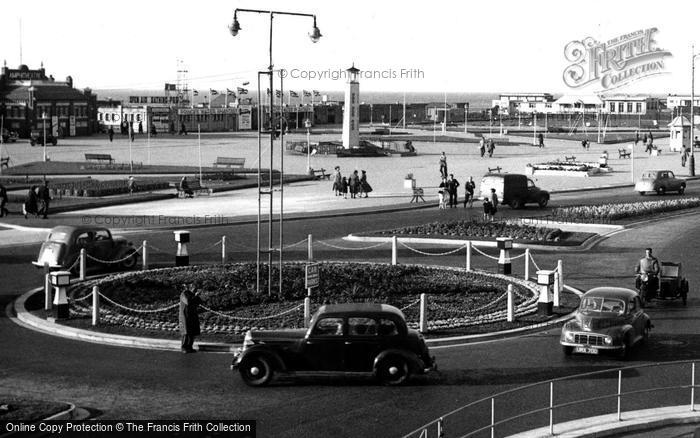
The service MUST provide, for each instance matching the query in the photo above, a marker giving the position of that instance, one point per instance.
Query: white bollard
(511, 304)
(469, 255)
(310, 247)
(223, 250)
(423, 326)
(504, 244)
(47, 287)
(527, 264)
(555, 289)
(83, 263)
(307, 311)
(560, 269)
(144, 261)
(394, 250)
(545, 279)
(95, 305)
(182, 257)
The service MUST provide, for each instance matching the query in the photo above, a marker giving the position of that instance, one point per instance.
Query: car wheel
(392, 370)
(660, 190)
(515, 204)
(543, 201)
(130, 262)
(568, 350)
(256, 370)
(681, 190)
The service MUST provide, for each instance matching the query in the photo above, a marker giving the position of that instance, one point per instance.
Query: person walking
(443, 165)
(131, 185)
(469, 187)
(44, 198)
(140, 127)
(110, 133)
(3, 201)
(492, 147)
(540, 137)
(344, 187)
(30, 202)
(494, 204)
(337, 181)
(364, 185)
(353, 184)
(482, 146)
(189, 318)
(183, 129)
(452, 185)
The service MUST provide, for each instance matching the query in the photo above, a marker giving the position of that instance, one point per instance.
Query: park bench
(229, 161)
(417, 193)
(623, 153)
(571, 158)
(495, 169)
(99, 158)
(195, 187)
(321, 174)
(4, 162)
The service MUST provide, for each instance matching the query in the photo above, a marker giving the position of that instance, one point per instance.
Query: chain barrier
(83, 298)
(537, 268)
(164, 309)
(432, 253)
(153, 248)
(350, 249)
(131, 254)
(410, 305)
(484, 254)
(295, 244)
(237, 318)
(75, 263)
(201, 251)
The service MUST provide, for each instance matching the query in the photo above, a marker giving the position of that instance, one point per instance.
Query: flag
(307, 93)
(316, 93)
(213, 92)
(169, 87)
(293, 93)
(278, 93)
(195, 93)
(242, 90)
(230, 93)
(245, 83)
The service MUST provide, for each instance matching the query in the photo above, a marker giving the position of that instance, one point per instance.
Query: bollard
(527, 264)
(182, 257)
(423, 314)
(441, 428)
(560, 270)
(307, 311)
(95, 305)
(545, 279)
(505, 244)
(511, 305)
(60, 280)
(469, 255)
(555, 289)
(144, 262)
(223, 250)
(310, 245)
(47, 287)
(394, 250)
(83, 263)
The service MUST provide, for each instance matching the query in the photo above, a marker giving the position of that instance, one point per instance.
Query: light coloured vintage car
(660, 182)
(609, 319)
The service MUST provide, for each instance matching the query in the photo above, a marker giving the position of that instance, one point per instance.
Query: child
(441, 199)
(344, 187)
(487, 209)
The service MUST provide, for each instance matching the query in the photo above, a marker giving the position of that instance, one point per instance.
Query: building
(29, 100)
(513, 103)
(631, 104)
(679, 130)
(574, 104)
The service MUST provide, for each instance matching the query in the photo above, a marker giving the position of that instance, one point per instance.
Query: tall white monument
(351, 114)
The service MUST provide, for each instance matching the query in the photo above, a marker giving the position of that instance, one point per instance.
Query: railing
(576, 397)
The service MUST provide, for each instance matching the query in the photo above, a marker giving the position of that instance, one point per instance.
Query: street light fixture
(315, 35)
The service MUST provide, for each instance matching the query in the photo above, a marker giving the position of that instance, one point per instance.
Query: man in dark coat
(3, 201)
(189, 318)
(44, 200)
(110, 132)
(30, 202)
(452, 185)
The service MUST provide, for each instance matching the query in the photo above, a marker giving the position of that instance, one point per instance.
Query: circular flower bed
(471, 229)
(623, 210)
(149, 299)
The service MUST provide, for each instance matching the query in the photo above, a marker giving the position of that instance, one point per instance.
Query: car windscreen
(600, 304)
(57, 236)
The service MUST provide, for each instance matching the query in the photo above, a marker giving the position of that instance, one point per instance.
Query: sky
(504, 46)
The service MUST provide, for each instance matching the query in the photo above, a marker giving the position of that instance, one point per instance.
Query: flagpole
(199, 146)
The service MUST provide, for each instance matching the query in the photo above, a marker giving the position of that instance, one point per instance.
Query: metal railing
(578, 396)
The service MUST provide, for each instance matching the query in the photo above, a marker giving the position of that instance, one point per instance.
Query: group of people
(37, 201)
(356, 185)
(486, 146)
(127, 128)
(447, 192)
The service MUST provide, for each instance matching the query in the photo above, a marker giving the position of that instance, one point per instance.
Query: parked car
(9, 136)
(37, 138)
(62, 248)
(659, 181)
(609, 319)
(371, 339)
(513, 189)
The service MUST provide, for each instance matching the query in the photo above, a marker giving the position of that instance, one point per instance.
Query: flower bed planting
(616, 211)
(456, 298)
(92, 188)
(472, 229)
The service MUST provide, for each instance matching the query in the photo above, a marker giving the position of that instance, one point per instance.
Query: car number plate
(586, 350)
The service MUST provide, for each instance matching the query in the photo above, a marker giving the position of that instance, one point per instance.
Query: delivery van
(513, 189)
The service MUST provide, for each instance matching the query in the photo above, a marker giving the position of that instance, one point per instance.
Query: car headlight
(608, 340)
(569, 336)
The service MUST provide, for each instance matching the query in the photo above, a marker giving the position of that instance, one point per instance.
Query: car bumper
(41, 265)
(236, 358)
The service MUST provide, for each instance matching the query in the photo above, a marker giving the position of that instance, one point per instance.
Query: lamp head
(235, 26)
(315, 34)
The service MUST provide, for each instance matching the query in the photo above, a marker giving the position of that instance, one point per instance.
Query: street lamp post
(43, 118)
(315, 35)
(466, 116)
(691, 165)
(307, 124)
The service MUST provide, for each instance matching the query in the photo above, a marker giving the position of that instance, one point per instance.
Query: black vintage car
(37, 138)
(358, 338)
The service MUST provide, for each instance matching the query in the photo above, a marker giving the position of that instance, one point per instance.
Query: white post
(423, 314)
(199, 147)
(223, 250)
(555, 289)
(527, 264)
(394, 250)
(307, 311)
(619, 395)
(310, 244)
(692, 390)
(632, 163)
(469, 255)
(560, 269)
(551, 408)
(83, 263)
(144, 262)
(95, 305)
(47, 287)
(511, 304)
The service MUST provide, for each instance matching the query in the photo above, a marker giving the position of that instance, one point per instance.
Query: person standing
(3, 201)
(487, 209)
(494, 204)
(636, 137)
(154, 131)
(30, 202)
(482, 146)
(540, 137)
(44, 200)
(131, 185)
(354, 183)
(492, 147)
(469, 187)
(110, 133)
(344, 187)
(442, 188)
(452, 185)
(443, 165)
(337, 181)
(140, 127)
(364, 185)
(189, 318)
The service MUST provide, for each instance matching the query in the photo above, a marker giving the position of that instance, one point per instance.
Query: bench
(321, 174)
(417, 193)
(195, 187)
(623, 153)
(229, 161)
(495, 169)
(4, 162)
(99, 158)
(571, 158)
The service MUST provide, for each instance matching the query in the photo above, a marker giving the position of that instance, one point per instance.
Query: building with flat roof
(512, 103)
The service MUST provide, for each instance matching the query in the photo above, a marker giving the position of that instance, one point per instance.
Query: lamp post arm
(260, 11)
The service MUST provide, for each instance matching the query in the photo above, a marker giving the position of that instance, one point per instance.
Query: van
(513, 189)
